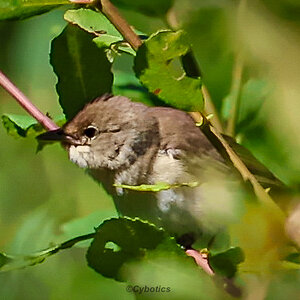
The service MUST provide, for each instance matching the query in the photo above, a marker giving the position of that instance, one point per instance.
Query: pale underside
(208, 207)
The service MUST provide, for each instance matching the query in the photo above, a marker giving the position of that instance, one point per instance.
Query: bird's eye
(90, 132)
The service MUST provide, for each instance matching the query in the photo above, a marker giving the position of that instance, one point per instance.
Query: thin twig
(235, 93)
(210, 109)
(46, 122)
(237, 75)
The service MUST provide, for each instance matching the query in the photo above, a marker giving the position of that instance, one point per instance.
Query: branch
(260, 192)
(211, 109)
(226, 283)
(113, 15)
(200, 261)
(46, 122)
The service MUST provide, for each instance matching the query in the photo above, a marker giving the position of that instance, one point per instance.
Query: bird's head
(110, 132)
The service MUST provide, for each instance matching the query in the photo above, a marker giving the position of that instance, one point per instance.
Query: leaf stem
(46, 122)
(14, 262)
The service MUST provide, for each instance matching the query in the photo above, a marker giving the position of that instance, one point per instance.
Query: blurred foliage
(45, 199)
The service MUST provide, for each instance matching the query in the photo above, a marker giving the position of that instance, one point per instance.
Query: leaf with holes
(158, 65)
(121, 240)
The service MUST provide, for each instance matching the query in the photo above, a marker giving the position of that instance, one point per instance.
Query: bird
(124, 143)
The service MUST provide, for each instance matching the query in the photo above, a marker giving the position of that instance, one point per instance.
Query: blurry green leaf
(150, 8)
(209, 23)
(225, 263)
(83, 70)
(158, 66)
(287, 9)
(131, 238)
(22, 9)
(160, 186)
(253, 94)
(10, 262)
(25, 126)
(283, 285)
(290, 265)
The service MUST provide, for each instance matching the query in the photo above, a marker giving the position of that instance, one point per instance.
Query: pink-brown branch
(46, 122)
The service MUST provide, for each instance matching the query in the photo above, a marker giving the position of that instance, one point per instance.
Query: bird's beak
(58, 135)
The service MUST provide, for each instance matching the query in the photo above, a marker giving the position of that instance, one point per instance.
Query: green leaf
(92, 21)
(159, 68)
(83, 70)
(118, 241)
(25, 126)
(13, 262)
(150, 8)
(253, 95)
(98, 24)
(22, 9)
(225, 263)
(160, 186)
